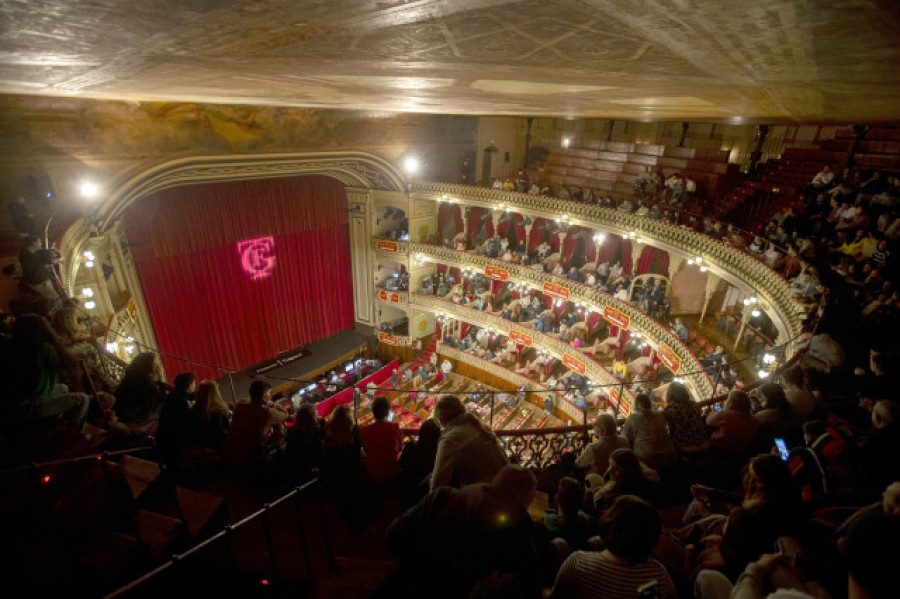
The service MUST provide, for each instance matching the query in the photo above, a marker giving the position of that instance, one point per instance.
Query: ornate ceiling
(768, 60)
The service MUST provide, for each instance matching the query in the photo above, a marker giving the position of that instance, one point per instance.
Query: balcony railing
(739, 267)
(597, 300)
(557, 348)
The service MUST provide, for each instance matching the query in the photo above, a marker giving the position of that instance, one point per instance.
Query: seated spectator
(455, 537)
(468, 451)
(630, 529)
(210, 417)
(566, 524)
(173, 433)
(304, 441)
(648, 434)
(34, 362)
(882, 446)
(139, 396)
(256, 432)
(625, 476)
(417, 460)
(821, 181)
(776, 419)
(341, 456)
(801, 400)
(734, 428)
(686, 427)
(681, 330)
(381, 441)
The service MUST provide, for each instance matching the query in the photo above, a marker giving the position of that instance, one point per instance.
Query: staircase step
(138, 473)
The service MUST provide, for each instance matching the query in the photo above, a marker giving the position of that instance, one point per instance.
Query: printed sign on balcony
(616, 317)
(574, 363)
(496, 273)
(388, 339)
(557, 291)
(389, 296)
(384, 245)
(520, 338)
(668, 357)
(615, 398)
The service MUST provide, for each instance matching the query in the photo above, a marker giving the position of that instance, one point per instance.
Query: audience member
(256, 433)
(381, 442)
(630, 529)
(468, 451)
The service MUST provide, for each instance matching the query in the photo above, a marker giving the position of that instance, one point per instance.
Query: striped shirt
(596, 575)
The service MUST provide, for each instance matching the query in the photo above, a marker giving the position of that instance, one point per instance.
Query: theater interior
(554, 211)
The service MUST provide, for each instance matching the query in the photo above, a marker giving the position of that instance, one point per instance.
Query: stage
(322, 356)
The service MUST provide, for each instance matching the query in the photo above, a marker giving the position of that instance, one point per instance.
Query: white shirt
(822, 179)
(446, 367)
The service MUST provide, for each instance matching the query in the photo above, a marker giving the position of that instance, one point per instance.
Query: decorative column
(636, 249)
(528, 224)
(745, 319)
(675, 262)
(712, 282)
(860, 131)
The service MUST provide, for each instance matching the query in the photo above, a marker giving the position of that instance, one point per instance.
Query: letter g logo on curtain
(257, 257)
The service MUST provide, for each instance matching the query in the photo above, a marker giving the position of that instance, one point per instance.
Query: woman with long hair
(625, 477)
(139, 395)
(211, 416)
(304, 443)
(341, 456)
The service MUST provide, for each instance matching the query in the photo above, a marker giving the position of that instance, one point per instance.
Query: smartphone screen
(718, 408)
(649, 590)
(782, 449)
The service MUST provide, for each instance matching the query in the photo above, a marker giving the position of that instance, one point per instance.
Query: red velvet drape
(627, 263)
(449, 220)
(653, 261)
(216, 299)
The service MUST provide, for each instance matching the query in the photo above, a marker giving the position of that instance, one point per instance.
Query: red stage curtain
(570, 242)
(198, 285)
(627, 263)
(537, 235)
(449, 220)
(653, 261)
(608, 248)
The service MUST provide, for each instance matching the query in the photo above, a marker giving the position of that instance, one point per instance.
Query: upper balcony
(733, 265)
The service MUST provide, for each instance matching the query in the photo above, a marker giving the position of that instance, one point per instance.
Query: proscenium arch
(355, 169)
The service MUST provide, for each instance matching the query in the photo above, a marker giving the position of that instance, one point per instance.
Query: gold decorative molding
(355, 169)
(735, 266)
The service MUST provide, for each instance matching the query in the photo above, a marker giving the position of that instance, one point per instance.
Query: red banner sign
(616, 317)
(668, 357)
(616, 398)
(389, 296)
(383, 245)
(496, 273)
(557, 291)
(388, 339)
(520, 338)
(574, 363)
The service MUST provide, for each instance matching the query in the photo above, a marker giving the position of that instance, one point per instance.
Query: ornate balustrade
(696, 378)
(535, 447)
(564, 405)
(736, 266)
(557, 348)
